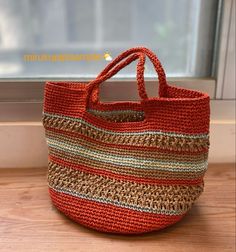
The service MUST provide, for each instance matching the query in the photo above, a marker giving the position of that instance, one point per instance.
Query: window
(182, 33)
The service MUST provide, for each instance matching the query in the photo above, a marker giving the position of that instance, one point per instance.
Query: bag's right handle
(153, 58)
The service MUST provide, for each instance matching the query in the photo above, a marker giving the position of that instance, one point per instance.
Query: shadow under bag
(125, 167)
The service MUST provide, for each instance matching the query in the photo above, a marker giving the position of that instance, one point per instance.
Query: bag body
(125, 167)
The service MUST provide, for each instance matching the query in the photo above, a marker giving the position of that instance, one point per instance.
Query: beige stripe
(143, 173)
(155, 197)
(120, 116)
(161, 141)
(98, 146)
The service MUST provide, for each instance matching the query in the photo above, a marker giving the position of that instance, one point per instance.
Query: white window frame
(225, 70)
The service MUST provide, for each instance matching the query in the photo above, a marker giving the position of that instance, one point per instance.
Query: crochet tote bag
(125, 167)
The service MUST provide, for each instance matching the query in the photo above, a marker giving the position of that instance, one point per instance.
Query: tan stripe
(98, 146)
(161, 141)
(120, 116)
(143, 173)
(156, 197)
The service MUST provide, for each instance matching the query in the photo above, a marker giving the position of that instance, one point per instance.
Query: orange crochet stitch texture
(126, 167)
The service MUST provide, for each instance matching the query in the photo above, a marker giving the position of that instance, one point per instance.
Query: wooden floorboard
(29, 222)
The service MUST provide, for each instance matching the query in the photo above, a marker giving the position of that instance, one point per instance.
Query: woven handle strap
(153, 58)
(93, 85)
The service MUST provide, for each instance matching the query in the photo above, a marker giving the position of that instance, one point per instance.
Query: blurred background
(182, 33)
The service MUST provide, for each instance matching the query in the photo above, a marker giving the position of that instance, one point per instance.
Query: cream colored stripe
(123, 170)
(127, 161)
(151, 154)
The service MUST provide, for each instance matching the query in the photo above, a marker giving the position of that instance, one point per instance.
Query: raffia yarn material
(125, 167)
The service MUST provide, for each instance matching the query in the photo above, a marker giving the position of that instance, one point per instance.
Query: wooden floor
(29, 222)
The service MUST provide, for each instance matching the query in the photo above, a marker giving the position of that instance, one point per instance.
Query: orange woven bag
(125, 167)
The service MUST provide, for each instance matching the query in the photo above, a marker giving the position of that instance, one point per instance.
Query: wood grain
(29, 222)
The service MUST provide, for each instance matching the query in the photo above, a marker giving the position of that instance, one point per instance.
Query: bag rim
(71, 86)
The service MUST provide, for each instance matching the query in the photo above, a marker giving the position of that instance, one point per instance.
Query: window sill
(32, 90)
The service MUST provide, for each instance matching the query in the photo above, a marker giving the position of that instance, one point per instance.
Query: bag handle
(157, 65)
(109, 67)
(125, 59)
(93, 85)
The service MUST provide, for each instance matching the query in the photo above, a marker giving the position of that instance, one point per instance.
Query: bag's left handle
(153, 58)
(93, 85)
